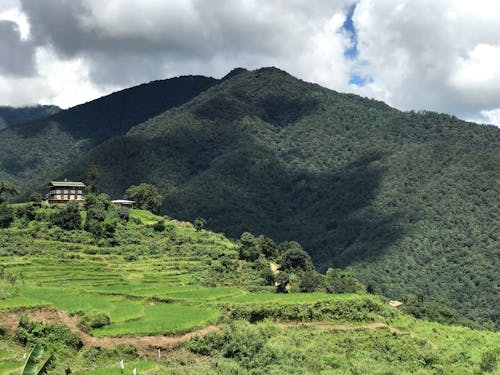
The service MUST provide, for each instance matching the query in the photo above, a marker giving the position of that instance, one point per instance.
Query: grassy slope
(70, 272)
(408, 200)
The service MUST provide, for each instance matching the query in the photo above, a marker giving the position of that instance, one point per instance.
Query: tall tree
(146, 197)
(93, 179)
(7, 189)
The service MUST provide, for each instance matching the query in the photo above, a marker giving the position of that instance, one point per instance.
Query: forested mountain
(42, 145)
(10, 116)
(407, 200)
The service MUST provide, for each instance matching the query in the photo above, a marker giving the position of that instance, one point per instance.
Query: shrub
(123, 214)
(99, 320)
(159, 226)
(51, 335)
(6, 215)
(69, 217)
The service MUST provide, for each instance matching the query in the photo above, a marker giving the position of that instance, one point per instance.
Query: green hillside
(95, 301)
(31, 149)
(11, 116)
(406, 200)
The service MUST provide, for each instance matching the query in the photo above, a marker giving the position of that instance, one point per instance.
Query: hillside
(28, 150)
(408, 201)
(10, 116)
(97, 301)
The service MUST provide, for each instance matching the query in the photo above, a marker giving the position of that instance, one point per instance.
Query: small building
(60, 192)
(396, 304)
(123, 203)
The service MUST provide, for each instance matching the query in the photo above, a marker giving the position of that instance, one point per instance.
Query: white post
(159, 353)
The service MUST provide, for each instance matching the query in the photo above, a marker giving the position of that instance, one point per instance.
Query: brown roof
(67, 183)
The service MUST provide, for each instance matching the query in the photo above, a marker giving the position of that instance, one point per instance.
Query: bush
(159, 226)
(99, 320)
(69, 217)
(56, 336)
(123, 214)
(6, 215)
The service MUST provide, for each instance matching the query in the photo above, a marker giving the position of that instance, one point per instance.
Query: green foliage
(146, 197)
(7, 189)
(100, 220)
(68, 218)
(57, 336)
(357, 183)
(338, 281)
(199, 223)
(97, 320)
(159, 226)
(93, 179)
(6, 215)
(36, 197)
(12, 116)
(30, 367)
(294, 257)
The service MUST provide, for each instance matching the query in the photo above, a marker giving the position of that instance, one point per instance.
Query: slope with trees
(407, 201)
(41, 145)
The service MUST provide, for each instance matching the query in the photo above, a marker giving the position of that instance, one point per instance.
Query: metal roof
(124, 201)
(66, 183)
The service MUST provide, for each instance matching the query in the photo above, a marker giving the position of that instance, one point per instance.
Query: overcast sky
(440, 55)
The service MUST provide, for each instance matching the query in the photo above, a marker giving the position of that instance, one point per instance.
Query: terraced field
(155, 287)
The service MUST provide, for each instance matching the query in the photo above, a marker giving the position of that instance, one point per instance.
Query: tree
(7, 189)
(146, 197)
(69, 217)
(248, 249)
(93, 179)
(97, 208)
(282, 280)
(36, 197)
(6, 215)
(199, 223)
(295, 258)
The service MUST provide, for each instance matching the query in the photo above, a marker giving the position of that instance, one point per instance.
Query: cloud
(130, 42)
(16, 55)
(441, 56)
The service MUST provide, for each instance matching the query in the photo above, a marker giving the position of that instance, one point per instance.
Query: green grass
(162, 319)
(142, 367)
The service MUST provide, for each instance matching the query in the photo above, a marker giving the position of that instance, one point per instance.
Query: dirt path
(144, 344)
(340, 327)
(148, 345)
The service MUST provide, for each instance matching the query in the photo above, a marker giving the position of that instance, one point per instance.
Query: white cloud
(491, 117)
(434, 55)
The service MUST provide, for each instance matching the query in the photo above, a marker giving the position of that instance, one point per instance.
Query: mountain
(405, 200)
(39, 146)
(10, 116)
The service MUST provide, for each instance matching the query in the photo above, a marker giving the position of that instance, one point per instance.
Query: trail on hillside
(147, 344)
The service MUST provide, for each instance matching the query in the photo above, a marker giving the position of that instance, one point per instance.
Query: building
(60, 192)
(123, 203)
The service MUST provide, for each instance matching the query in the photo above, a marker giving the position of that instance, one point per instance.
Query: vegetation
(404, 200)
(34, 148)
(10, 116)
(145, 196)
(67, 284)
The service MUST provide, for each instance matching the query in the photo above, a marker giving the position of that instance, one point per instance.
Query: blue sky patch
(359, 80)
(348, 26)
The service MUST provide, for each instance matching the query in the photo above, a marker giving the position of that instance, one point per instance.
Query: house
(60, 192)
(123, 203)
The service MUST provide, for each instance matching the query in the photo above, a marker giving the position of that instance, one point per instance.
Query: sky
(437, 55)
